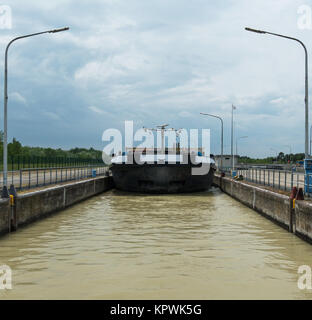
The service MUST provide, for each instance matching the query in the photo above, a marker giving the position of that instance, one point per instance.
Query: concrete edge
(31, 210)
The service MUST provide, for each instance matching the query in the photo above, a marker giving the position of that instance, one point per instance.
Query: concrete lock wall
(4, 215)
(273, 205)
(34, 205)
(303, 220)
(37, 204)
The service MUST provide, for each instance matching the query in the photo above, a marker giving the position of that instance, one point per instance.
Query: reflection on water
(126, 246)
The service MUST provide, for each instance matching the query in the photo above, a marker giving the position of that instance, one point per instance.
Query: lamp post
(243, 137)
(310, 140)
(288, 146)
(306, 145)
(232, 136)
(5, 193)
(276, 153)
(211, 115)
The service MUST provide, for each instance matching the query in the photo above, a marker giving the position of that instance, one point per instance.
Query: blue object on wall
(308, 175)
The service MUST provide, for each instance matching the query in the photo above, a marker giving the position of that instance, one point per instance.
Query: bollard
(293, 193)
(292, 205)
(300, 195)
(13, 218)
(293, 196)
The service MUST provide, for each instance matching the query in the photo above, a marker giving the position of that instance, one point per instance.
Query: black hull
(160, 178)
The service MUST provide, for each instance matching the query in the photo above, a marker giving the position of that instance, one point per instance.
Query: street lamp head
(255, 30)
(59, 30)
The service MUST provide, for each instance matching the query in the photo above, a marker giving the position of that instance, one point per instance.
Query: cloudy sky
(154, 62)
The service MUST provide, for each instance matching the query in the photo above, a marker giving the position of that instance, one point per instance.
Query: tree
(14, 148)
(281, 156)
(49, 152)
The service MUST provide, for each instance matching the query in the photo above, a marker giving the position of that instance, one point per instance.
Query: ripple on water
(120, 245)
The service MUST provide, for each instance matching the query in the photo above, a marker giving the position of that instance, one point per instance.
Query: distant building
(227, 161)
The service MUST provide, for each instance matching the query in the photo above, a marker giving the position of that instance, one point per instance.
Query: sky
(155, 62)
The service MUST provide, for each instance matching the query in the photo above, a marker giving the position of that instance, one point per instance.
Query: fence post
(268, 181)
(21, 177)
(273, 178)
(12, 173)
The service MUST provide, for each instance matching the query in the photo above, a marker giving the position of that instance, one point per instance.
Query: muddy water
(124, 246)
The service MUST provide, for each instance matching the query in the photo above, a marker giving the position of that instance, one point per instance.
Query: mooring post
(13, 223)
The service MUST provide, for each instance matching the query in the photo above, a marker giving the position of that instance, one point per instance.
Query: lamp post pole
(237, 141)
(211, 115)
(5, 193)
(290, 151)
(310, 140)
(306, 144)
(276, 153)
(288, 146)
(232, 137)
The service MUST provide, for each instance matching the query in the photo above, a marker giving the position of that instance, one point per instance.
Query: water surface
(125, 246)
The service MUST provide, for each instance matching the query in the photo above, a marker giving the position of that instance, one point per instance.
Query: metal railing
(39, 177)
(277, 179)
(36, 162)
